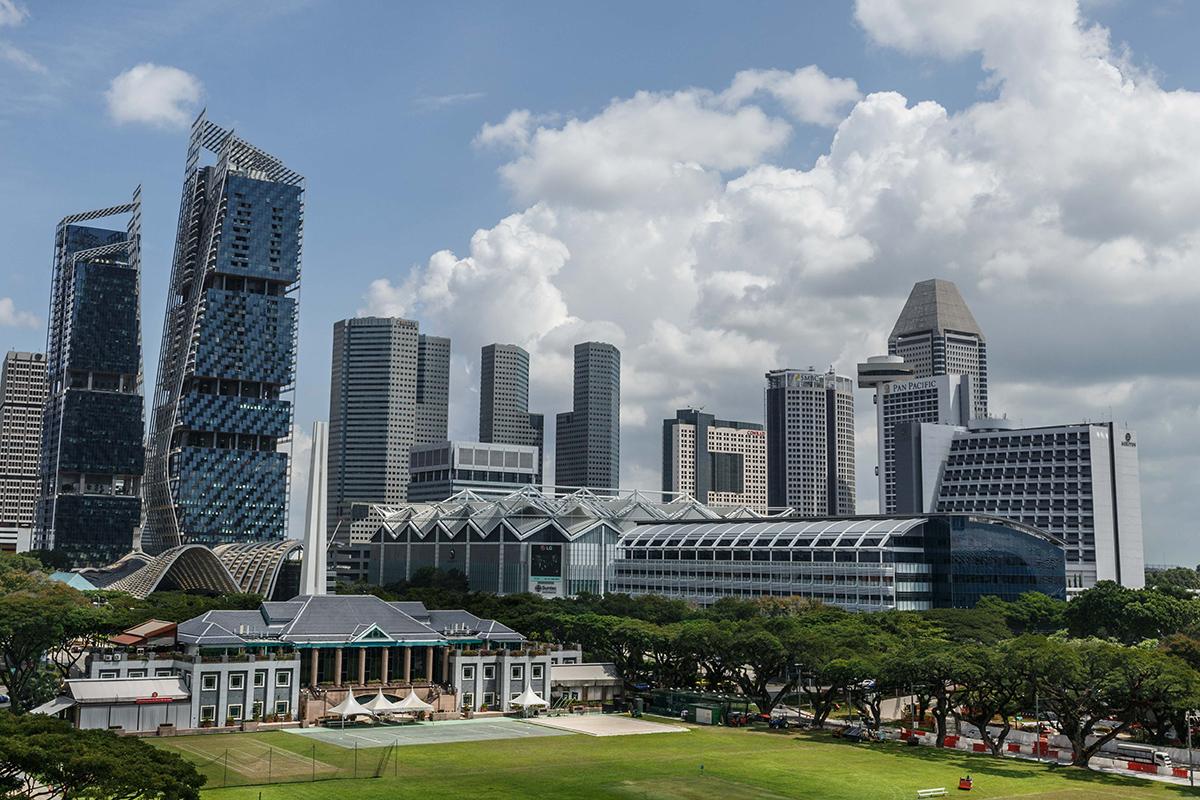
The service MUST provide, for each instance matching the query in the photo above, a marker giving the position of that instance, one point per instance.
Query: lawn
(709, 763)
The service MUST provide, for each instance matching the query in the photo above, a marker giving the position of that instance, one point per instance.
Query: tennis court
(463, 730)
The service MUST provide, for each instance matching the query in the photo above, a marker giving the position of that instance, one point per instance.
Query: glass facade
(861, 564)
(92, 447)
(222, 419)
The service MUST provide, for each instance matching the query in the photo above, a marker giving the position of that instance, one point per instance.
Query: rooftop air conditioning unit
(108, 656)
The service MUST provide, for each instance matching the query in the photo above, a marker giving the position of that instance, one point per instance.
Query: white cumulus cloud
(153, 94)
(12, 317)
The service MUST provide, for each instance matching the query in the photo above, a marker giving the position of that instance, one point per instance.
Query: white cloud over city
(153, 94)
(13, 317)
(1064, 202)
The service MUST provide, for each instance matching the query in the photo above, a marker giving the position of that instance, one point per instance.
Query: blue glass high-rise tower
(217, 468)
(92, 426)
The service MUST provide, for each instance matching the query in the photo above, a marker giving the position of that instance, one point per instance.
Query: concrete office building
(93, 459)
(719, 462)
(439, 471)
(22, 398)
(220, 434)
(1078, 482)
(587, 440)
(941, 399)
(504, 416)
(810, 442)
(937, 335)
(389, 390)
(909, 563)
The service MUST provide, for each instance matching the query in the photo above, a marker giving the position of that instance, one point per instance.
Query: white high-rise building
(22, 398)
(810, 442)
(718, 462)
(1078, 482)
(942, 399)
(389, 390)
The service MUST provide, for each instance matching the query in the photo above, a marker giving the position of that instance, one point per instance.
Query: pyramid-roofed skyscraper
(937, 334)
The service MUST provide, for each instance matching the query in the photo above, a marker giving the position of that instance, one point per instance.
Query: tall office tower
(92, 430)
(504, 416)
(810, 442)
(220, 433)
(22, 402)
(941, 399)
(1078, 482)
(937, 335)
(388, 392)
(433, 388)
(587, 440)
(719, 462)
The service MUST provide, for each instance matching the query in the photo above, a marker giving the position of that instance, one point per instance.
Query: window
(233, 711)
(489, 699)
(535, 672)
(517, 672)
(208, 681)
(283, 678)
(513, 696)
(468, 700)
(162, 673)
(489, 672)
(469, 672)
(258, 707)
(137, 673)
(237, 680)
(208, 713)
(281, 707)
(260, 679)
(108, 673)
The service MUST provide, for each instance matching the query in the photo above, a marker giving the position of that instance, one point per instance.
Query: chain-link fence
(254, 763)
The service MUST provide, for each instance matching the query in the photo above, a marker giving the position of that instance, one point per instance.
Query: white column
(316, 545)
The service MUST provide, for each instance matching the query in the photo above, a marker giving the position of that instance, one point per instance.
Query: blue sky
(381, 106)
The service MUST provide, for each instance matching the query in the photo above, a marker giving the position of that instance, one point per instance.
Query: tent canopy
(528, 699)
(413, 703)
(381, 705)
(350, 708)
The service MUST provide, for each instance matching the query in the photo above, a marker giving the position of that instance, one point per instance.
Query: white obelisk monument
(314, 567)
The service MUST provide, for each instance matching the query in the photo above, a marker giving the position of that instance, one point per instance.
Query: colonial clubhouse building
(296, 659)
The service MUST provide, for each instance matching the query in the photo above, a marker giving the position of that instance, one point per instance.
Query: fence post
(270, 754)
(356, 759)
(314, 763)
(225, 774)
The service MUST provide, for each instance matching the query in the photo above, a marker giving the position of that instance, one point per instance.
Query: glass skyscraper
(219, 445)
(92, 451)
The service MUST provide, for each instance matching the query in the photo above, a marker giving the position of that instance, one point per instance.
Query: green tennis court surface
(465, 730)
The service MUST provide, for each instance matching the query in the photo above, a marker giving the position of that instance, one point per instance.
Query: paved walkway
(604, 724)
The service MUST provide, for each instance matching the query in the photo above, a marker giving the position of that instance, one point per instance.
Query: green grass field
(738, 764)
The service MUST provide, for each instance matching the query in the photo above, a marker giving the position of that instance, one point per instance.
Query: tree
(991, 684)
(1108, 610)
(936, 667)
(1032, 612)
(38, 617)
(766, 652)
(42, 757)
(1085, 681)
(1174, 578)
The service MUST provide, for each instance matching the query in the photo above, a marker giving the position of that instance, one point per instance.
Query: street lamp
(1190, 719)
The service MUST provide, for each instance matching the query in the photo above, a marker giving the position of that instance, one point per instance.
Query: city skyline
(1055, 354)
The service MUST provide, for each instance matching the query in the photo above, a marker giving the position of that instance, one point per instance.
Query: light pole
(1190, 719)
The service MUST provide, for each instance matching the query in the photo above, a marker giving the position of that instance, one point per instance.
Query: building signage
(1128, 440)
(545, 570)
(910, 386)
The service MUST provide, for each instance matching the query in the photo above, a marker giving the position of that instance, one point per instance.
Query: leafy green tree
(991, 684)
(1174, 578)
(766, 651)
(1086, 681)
(1109, 610)
(46, 757)
(38, 617)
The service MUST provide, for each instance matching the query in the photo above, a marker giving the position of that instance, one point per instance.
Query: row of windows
(237, 680)
(516, 672)
(234, 710)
